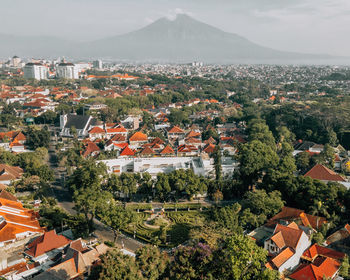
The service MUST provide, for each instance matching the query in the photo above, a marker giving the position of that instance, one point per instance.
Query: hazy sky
(315, 26)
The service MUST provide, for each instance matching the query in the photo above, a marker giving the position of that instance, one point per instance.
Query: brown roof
(167, 150)
(147, 151)
(323, 173)
(176, 129)
(8, 172)
(342, 234)
(299, 216)
(286, 236)
(45, 243)
(6, 195)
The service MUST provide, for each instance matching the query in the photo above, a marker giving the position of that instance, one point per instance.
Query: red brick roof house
(187, 150)
(137, 139)
(322, 173)
(91, 150)
(147, 151)
(323, 268)
(118, 130)
(126, 152)
(12, 141)
(167, 151)
(96, 132)
(46, 246)
(76, 262)
(175, 132)
(9, 174)
(286, 246)
(298, 216)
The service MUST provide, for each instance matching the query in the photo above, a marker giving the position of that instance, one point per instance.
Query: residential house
(16, 222)
(96, 133)
(340, 240)
(76, 262)
(175, 132)
(46, 246)
(9, 174)
(286, 246)
(323, 173)
(137, 140)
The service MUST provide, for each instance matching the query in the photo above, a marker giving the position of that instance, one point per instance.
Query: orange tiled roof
(127, 152)
(327, 269)
(138, 136)
(45, 243)
(167, 150)
(282, 257)
(96, 130)
(316, 250)
(209, 148)
(17, 219)
(321, 172)
(176, 129)
(115, 130)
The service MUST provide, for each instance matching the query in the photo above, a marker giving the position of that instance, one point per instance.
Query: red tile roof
(323, 173)
(299, 216)
(327, 269)
(316, 250)
(8, 172)
(167, 150)
(209, 148)
(127, 152)
(45, 243)
(175, 129)
(282, 257)
(138, 136)
(116, 130)
(147, 151)
(96, 130)
(17, 219)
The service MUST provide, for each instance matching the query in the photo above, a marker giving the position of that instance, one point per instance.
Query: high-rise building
(98, 64)
(35, 70)
(66, 70)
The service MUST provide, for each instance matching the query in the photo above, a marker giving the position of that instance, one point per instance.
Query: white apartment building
(67, 71)
(35, 70)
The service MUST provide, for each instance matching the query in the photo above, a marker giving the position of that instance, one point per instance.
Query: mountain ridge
(183, 39)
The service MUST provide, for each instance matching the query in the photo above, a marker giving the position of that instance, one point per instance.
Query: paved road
(65, 201)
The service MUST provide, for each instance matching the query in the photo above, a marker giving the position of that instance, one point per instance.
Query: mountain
(181, 40)
(186, 39)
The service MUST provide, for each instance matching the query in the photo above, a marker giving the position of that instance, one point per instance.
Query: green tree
(242, 259)
(258, 130)
(37, 137)
(255, 159)
(116, 217)
(116, 265)
(151, 262)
